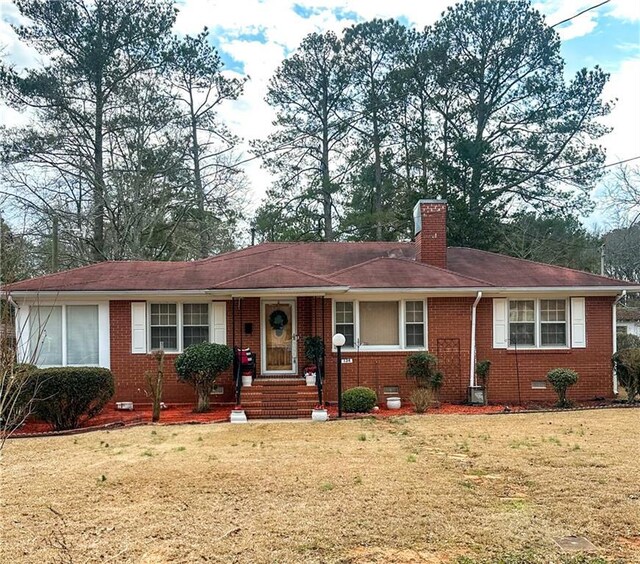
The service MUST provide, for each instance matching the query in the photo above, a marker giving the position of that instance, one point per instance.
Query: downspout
(472, 361)
(615, 337)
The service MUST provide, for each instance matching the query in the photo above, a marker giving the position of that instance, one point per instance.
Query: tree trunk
(377, 167)
(326, 177)
(203, 398)
(197, 179)
(98, 250)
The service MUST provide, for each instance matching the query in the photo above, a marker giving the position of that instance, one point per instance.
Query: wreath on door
(278, 320)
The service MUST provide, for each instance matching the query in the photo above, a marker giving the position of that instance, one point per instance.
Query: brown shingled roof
(316, 264)
(387, 272)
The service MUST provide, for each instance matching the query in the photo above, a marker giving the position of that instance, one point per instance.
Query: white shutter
(578, 324)
(219, 322)
(500, 325)
(138, 327)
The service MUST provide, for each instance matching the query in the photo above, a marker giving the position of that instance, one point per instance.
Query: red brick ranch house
(389, 299)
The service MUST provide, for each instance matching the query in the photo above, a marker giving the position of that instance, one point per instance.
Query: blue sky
(254, 36)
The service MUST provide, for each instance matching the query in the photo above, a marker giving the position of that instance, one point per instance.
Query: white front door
(279, 339)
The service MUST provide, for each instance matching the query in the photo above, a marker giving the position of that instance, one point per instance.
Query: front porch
(274, 328)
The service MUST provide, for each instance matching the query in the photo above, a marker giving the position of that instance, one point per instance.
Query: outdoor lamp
(338, 342)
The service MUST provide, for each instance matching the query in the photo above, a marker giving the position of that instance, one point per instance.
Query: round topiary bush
(200, 365)
(562, 379)
(66, 397)
(359, 400)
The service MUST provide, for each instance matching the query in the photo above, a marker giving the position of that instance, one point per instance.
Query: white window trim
(401, 324)
(23, 331)
(179, 320)
(538, 325)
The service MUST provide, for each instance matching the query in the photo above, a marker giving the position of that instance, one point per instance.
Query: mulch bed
(182, 414)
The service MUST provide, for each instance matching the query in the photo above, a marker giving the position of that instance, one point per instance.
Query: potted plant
(422, 367)
(319, 413)
(247, 379)
(478, 394)
(310, 373)
(314, 353)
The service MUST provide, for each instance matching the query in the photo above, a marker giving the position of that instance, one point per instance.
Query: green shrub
(423, 368)
(359, 400)
(627, 341)
(627, 366)
(562, 379)
(66, 397)
(483, 367)
(421, 399)
(200, 365)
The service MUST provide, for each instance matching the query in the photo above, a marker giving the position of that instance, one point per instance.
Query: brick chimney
(430, 228)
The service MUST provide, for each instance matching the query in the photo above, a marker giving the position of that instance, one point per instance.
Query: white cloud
(624, 141)
(628, 10)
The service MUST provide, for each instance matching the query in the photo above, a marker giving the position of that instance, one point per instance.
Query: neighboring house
(628, 320)
(389, 299)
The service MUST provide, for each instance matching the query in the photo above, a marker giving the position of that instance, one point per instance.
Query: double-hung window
(538, 323)
(345, 322)
(164, 327)
(399, 324)
(195, 324)
(174, 327)
(414, 324)
(553, 323)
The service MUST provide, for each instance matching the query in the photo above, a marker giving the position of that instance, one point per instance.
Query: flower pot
(394, 403)
(319, 415)
(238, 416)
(310, 377)
(247, 380)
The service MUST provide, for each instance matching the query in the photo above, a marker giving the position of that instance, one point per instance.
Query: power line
(621, 162)
(580, 13)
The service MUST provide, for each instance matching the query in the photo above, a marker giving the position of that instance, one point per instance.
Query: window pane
(522, 311)
(522, 334)
(379, 323)
(196, 314)
(344, 312)
(194, 335)
(164, 337)
(553, 334)
(347, 331)
(82, 335)
(45, 340)
(415, 312)
(415, 335)
(163, 314)
(553, 310)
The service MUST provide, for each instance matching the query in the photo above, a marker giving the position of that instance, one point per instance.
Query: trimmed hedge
(199, 365)
(66, 397)
(562, 379)
(359, 400)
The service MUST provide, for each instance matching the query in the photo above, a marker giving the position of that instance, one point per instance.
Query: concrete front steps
(279, 398)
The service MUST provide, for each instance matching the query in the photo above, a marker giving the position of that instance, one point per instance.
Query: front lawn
(408, 489)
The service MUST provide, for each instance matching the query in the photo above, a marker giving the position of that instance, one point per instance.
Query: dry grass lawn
(410, 489)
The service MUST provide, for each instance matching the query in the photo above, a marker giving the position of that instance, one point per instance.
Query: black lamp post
(338, 342)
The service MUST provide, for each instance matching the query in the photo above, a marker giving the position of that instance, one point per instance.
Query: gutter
(615, 336)
(472, 362)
